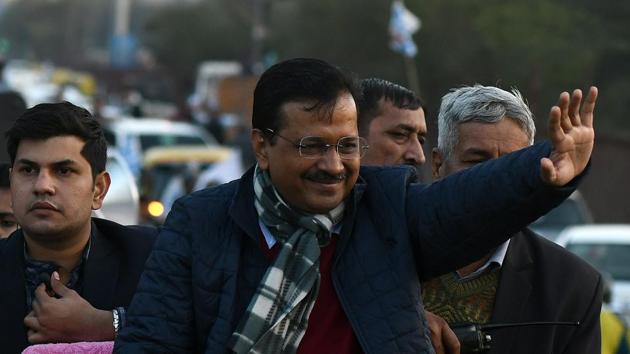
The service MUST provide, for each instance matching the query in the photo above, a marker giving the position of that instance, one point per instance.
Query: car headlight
(155, 208)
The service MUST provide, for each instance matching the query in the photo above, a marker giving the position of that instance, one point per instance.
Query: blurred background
(197, 60)
(172, 81)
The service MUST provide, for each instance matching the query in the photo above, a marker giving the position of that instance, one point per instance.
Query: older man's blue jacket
(208, 259)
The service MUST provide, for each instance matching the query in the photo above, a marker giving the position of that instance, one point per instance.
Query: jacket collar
(99, 278)
(514, 289)
(101, 271)
(12, 263)
(13, 294)
(242, 209)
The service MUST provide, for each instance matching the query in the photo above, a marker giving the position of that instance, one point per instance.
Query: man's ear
(436, 163)
(259, 145)
(102, 181)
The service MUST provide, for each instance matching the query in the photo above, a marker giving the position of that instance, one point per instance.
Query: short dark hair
(300, 79)
(48, 120)
(373, 90)
(4, 175)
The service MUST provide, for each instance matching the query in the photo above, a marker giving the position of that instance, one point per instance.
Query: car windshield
(613, 259)
(148, 141)
(567, 213)
(157, 179)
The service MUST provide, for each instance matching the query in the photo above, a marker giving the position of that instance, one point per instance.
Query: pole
(121, 17)
(412, 74)
(258, 35)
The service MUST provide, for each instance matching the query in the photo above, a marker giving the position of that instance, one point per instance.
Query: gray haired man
(527, 278)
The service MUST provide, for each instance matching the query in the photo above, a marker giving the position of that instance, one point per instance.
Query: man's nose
(44, 184)
(331, 162)
(415, 152)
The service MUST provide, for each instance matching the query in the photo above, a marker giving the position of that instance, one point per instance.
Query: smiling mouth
(326, 181)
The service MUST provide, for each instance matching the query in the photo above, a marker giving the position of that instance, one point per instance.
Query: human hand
(572, 135)
(66, 319)
(443, 338)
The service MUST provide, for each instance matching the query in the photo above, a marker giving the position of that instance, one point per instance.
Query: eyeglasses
(314, 147)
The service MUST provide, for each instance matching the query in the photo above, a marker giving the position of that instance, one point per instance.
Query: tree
(63, 31)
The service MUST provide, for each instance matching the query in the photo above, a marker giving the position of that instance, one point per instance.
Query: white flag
(402, 24)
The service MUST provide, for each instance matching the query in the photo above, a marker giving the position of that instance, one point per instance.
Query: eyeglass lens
(348, 147)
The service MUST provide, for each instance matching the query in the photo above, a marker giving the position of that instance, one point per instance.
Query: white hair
(486, 104)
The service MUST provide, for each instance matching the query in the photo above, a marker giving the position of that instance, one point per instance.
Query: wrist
(101, 328)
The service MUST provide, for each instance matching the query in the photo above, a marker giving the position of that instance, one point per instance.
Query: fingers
(37, 307)
(451, 343)
(589, 106)
(436, 341)
(57, 285)
(31, 321)
(563, 105)
(434, 324)
(573, 114)
(443, 338)
(574, 107)
(41, 295)
(556, 129)
(34, 335)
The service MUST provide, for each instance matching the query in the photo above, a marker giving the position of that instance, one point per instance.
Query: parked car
(122, 201)
(607, 248)
(573, 211)
(172, 172)
(134, 136)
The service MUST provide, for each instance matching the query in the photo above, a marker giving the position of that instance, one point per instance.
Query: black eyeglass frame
(324, 147)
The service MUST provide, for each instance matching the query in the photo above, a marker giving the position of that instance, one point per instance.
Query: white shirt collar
(271, 240)
(497, 258)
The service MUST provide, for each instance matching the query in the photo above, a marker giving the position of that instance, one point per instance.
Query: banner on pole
(402, 25)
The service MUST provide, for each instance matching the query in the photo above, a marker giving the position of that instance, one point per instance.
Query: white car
(122, 202)
(607, 248)
(134, 136)
(171, 172)
(571, 212)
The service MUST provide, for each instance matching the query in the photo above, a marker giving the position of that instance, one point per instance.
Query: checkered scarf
(277, 316)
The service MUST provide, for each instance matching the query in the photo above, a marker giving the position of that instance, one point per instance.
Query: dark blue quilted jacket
(208, 259)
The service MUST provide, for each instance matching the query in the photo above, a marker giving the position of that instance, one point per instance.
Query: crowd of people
(329, 244)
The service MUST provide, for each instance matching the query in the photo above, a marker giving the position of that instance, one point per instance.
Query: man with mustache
(391, 118)
(309, 253)
(58, 154)
(527, 278)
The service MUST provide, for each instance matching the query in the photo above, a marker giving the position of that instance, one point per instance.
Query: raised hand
(66, 319)
(572, 135)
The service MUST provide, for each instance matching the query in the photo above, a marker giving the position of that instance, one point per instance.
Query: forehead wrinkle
(412, 117)
(322, 111)
(342, 113)
(407, 127)
(285, 118)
